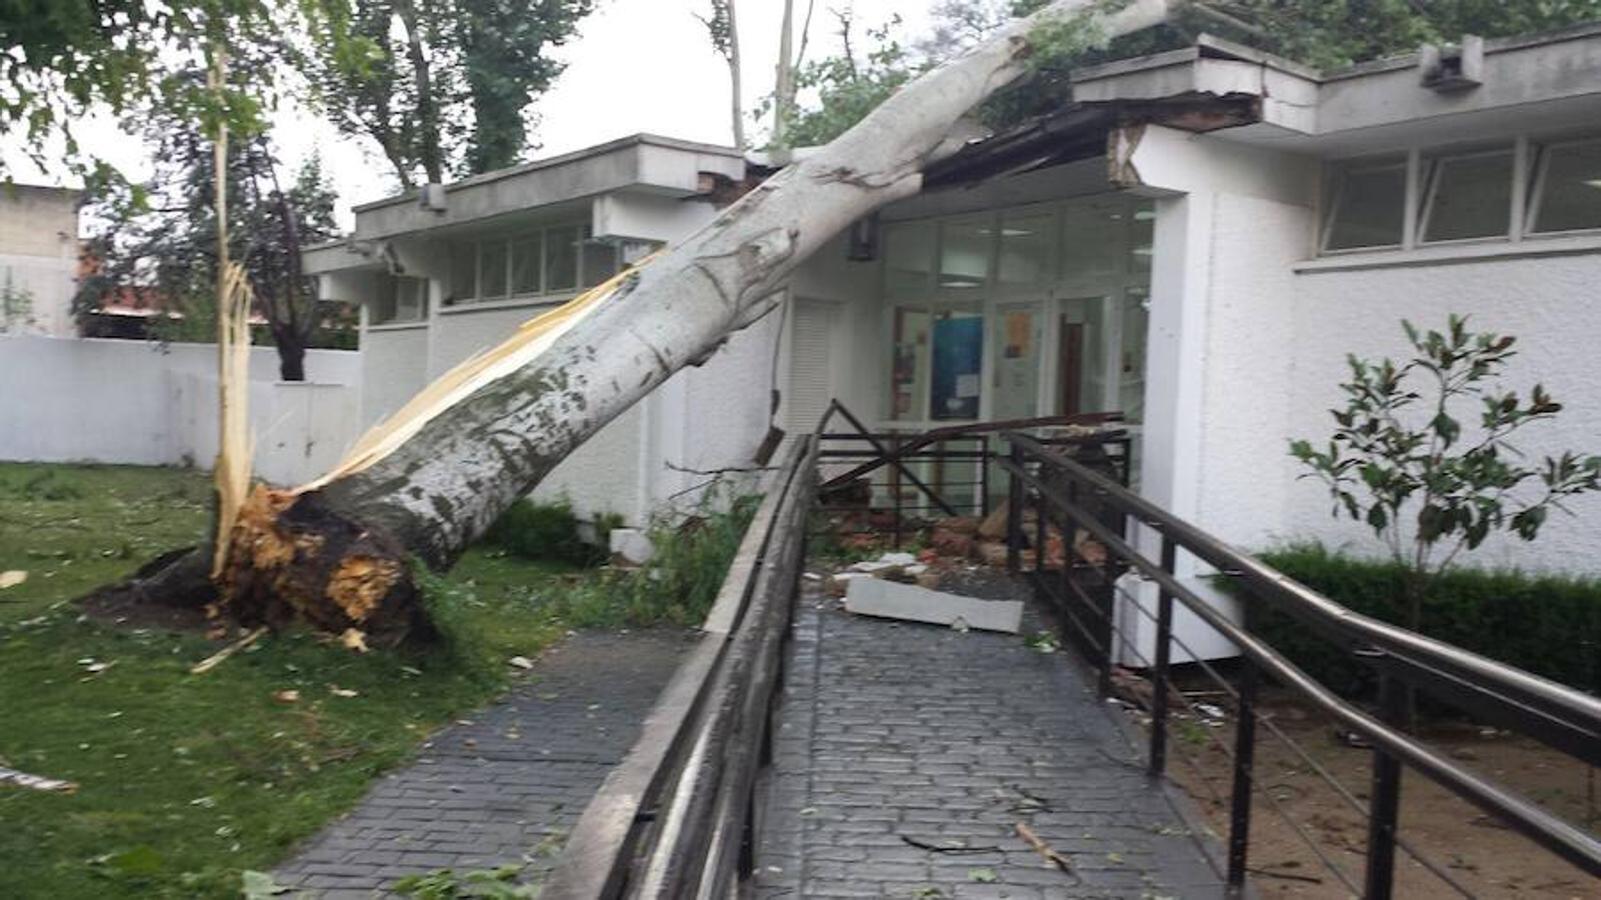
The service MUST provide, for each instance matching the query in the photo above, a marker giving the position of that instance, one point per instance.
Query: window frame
(584, 232)
(1536, 192)
(1341, 171)
(1431, 173)
(391, 286)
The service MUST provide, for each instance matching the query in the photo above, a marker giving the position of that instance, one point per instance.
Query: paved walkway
(895, 737)
(505, 787)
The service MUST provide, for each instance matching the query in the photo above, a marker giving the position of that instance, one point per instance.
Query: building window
(544, 261)
(965, 253)
(493, 261)
(1367, 206)
(528, 264)
(401, 298)
(1025, 255)
(463, 274)
(1469, 196)
(1567, 190)
(561, 258)
(909, 259)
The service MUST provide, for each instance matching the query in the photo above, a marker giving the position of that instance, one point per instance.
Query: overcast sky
(637, 65)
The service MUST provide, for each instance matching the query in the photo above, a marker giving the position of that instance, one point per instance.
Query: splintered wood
(532, 338)
(232, 471)
(35, 782)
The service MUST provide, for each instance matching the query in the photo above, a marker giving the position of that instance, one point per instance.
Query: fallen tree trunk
(337, 552)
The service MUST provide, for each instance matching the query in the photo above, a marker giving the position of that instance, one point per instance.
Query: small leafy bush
(546, 531)
(677, 585)
(1548, 625)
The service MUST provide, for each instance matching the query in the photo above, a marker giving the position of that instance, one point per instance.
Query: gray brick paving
(888, 731)
(507, 783)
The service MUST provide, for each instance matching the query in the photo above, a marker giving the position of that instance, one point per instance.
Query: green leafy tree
(1401, 461)
(68, 59)
(160, 240)
(442, 86)
(849, 85)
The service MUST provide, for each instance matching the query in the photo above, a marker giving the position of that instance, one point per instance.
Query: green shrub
(1548, 625)
(547, 531)
(677, 585)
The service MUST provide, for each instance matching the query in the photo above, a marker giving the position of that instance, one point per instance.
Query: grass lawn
(185, 781)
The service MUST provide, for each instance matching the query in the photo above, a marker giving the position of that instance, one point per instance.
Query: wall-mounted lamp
(862, 240)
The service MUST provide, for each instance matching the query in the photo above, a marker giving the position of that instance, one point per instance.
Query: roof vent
(431, 196)
(1446, 69)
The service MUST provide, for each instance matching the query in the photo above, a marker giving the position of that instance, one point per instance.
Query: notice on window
(967, 386)
(1019, 335)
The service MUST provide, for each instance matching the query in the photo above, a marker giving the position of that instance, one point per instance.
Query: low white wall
(68, 400)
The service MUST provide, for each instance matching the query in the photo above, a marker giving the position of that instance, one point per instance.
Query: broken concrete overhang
(1081, 130)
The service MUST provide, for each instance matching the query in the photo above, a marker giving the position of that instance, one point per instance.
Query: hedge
(1548, 625)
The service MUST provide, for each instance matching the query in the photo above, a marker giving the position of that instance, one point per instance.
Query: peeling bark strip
(436, 476)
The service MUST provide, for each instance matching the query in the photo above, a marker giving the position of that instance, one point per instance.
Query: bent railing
(675, 818)
(1075, 498)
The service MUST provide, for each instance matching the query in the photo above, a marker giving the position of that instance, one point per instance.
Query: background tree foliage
(442, 86)
(160, 237)
(67, 59)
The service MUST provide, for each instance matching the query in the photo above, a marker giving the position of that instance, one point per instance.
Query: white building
(38, 259)
(1198, 241)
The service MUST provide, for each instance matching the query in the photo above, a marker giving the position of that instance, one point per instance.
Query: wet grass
(185, 781)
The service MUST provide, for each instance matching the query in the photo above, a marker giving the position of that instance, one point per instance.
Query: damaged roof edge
(1210, 46)
(1079, 131)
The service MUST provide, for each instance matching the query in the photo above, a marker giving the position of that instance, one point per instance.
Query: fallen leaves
(354, 639)
(288, 695)
(521, 662)
(11, 578)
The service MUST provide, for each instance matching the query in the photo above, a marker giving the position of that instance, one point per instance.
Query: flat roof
(534, 165)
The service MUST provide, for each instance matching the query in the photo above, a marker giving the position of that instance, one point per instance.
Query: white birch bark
(444, 484)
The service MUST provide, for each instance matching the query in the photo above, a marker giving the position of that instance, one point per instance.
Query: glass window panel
(1141, 234)
(909, 379)
(1016, 377)
(492, 269)
(908, 259)
(1369, 207)
(965, 253)
(1471, 197)
(957, 359)
(411, 299)
(1082, 356)
(561, 258)
(1570, 195)
(1027, 242)
(527, 264)
(382, 310)
(600, 261)
(463, 273)
(1092, 239)
(1131, 363)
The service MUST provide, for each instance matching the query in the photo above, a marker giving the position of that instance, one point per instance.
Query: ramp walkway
(906, 757)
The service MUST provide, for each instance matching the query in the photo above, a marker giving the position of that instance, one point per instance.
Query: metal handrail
(669, 819)
(1574, 709)
(1374, 640)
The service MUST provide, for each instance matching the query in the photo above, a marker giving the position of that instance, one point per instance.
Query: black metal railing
(1133, 535)
(676, 818)
(902, 480)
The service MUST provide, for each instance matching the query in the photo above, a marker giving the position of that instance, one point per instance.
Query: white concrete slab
(890, 600)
